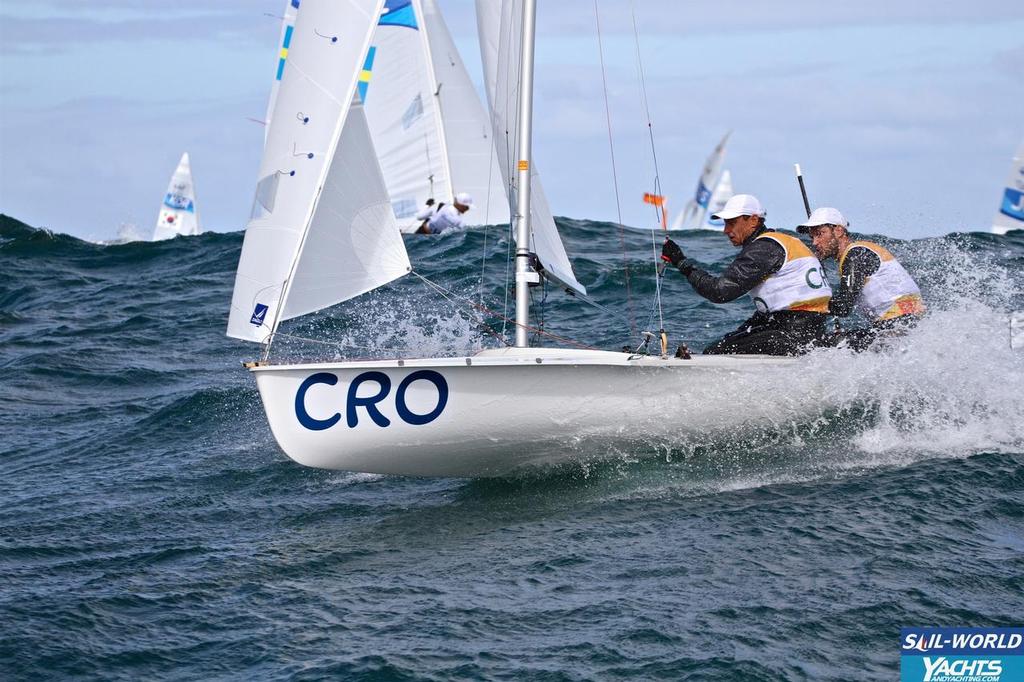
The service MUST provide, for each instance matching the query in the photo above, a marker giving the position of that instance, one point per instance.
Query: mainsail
(178, 213)
(692, 216)
(1010, 215)
(500, 37)
(322, 230)
(428, 125)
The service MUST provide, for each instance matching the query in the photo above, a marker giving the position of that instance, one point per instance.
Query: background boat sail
(713, 187)
(1010, 215)
(322, 231)
(178, 212)
(430, 131)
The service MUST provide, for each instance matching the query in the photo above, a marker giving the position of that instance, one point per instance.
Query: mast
(524, 274)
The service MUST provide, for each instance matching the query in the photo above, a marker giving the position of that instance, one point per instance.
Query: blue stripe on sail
(284, 50)
(1013, 204)
(295, 4)
(398, 13)
(364, 75)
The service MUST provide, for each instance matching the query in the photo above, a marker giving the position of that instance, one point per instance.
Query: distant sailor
(870, 279)
(779, 272)
(446, 216)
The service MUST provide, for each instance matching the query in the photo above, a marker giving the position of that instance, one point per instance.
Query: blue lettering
(821, 280)
(408, 415)
(300, 402)
(369, 403)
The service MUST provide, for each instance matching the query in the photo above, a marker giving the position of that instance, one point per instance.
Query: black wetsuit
(858, 266)
(785, 332)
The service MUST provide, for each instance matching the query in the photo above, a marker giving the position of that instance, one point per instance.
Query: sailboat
(432, 136)
(1010, 215)
(322, 231)
(178, 212)
(714, 187)
(428, 126)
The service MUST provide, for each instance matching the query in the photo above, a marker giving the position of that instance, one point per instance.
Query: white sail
(692, 215)
(469, 140)
(1010, 215)
(500, 28)
(397, 89)
(291, 9)
(321, 231)
(429, 128)
(723, 192)
(178, 212)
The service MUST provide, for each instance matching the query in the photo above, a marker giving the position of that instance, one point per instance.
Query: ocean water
(150, 527)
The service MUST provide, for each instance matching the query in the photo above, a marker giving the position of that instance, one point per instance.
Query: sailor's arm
(860, 263)
(755, 263)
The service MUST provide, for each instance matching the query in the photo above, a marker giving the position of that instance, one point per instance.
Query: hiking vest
(798, 285)
(888, 293)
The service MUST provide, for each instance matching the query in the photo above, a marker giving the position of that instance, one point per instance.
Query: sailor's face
(823, 237)
(739, 228)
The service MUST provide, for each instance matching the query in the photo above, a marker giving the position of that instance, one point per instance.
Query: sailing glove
(671, 253)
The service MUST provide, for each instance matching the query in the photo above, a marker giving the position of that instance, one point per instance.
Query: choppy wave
(150, 527)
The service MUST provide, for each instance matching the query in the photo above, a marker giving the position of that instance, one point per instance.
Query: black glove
(671, 253)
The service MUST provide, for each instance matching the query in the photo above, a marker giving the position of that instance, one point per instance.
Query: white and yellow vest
(798, 285)
(888, 293)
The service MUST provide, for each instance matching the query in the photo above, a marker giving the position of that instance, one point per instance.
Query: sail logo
(703, 195)
(259, 314)
(379, 385)
(1013, 204)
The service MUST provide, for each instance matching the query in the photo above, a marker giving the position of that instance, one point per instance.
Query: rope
(615, 176)
(449, 295)
(659, 211)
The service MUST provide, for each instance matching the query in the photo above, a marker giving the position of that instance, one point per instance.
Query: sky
(904, 115)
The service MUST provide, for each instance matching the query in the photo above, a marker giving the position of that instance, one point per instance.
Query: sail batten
(315, 214)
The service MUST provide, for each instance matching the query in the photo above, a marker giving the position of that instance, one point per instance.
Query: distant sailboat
(713, 187)
(1010, 215)
(178, 213)
(431, 134)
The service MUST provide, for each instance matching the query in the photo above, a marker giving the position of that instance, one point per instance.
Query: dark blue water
(150, 528)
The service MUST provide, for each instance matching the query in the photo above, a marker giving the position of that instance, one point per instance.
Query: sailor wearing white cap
(447, 216)
(779, 272)
(870, 279)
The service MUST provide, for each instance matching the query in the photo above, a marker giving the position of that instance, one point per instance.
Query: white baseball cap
(823, 216)
(464, 198)
(740, 204)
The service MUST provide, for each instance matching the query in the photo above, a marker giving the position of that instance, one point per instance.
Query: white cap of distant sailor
(823, 216)
(464, 198)
(740, 204)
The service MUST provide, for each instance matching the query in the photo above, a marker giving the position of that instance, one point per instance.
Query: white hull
(492, 413)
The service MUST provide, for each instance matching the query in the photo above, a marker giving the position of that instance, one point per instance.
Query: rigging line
(654, 156)
(488, 311)
(643, 93)
(615, 178)
(445, 295)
